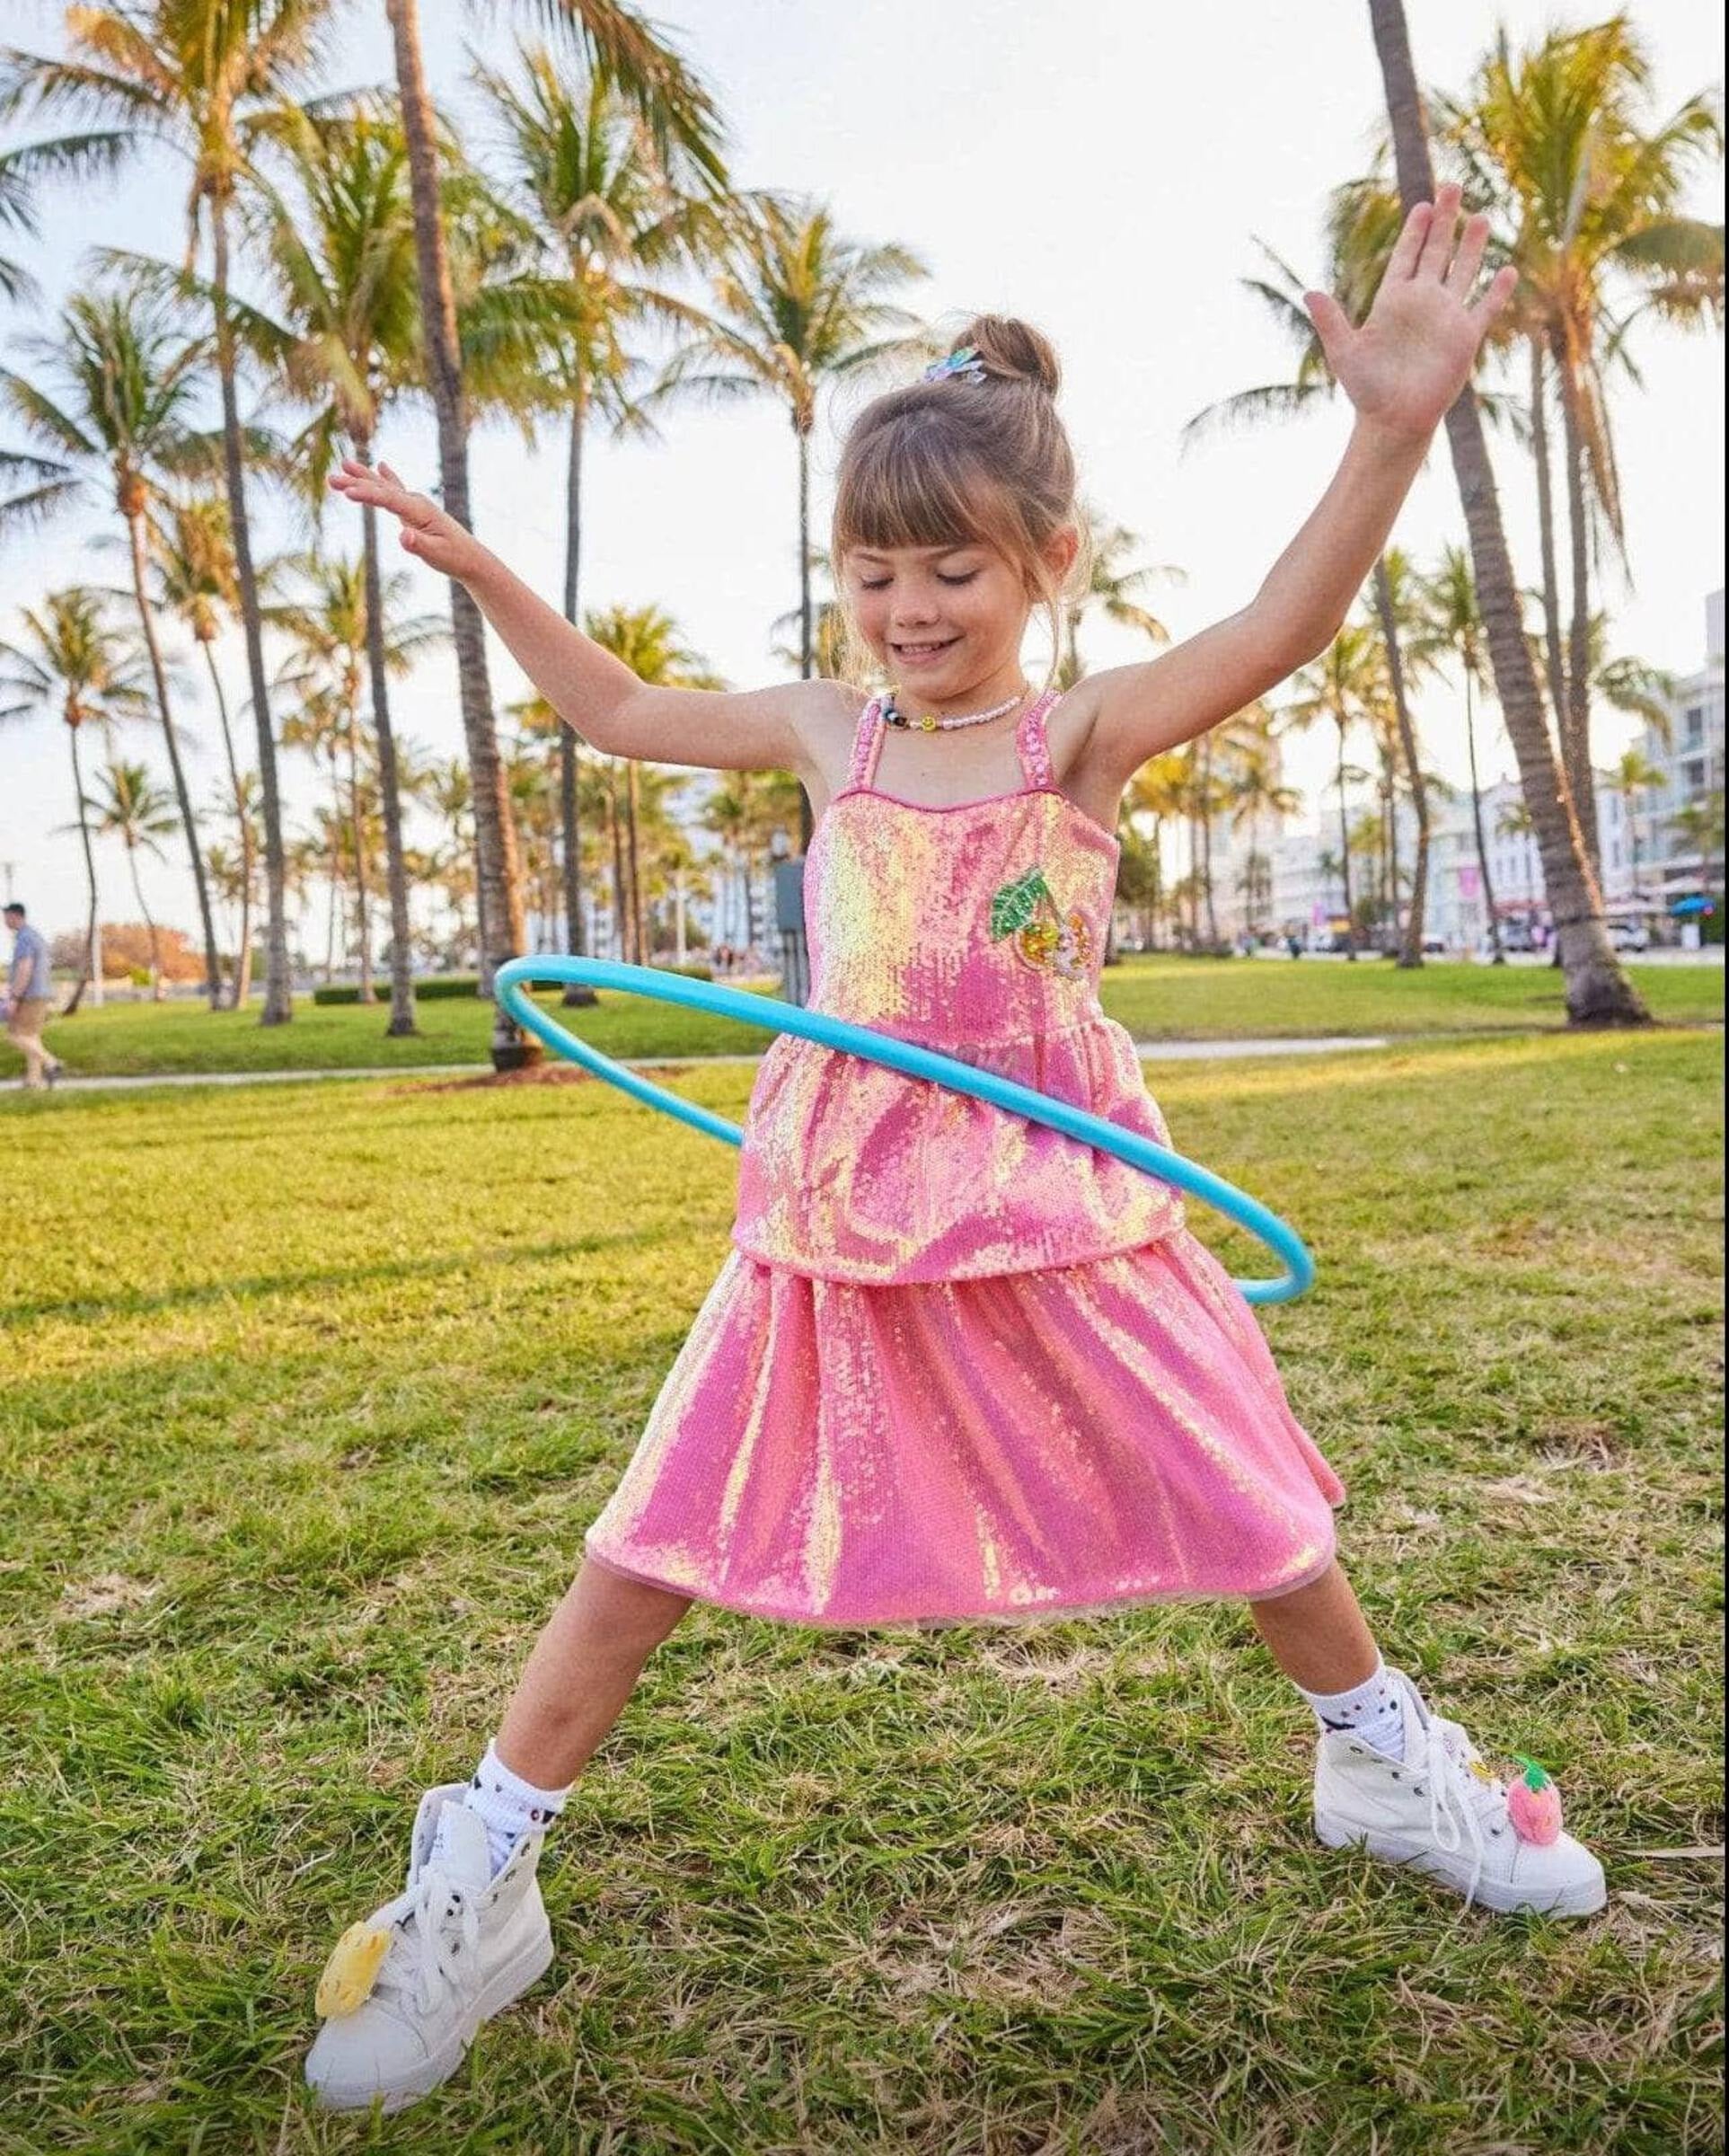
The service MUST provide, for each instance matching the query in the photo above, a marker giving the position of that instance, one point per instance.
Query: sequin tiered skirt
(949, 1452)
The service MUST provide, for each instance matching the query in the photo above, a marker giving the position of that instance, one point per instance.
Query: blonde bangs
(909, 485)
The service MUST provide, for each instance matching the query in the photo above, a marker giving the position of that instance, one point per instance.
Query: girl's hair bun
(1013, 351)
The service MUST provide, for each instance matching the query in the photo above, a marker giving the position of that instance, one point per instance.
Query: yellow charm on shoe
(351, 1970)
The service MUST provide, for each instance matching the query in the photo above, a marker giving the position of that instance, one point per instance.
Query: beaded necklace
(893, 715)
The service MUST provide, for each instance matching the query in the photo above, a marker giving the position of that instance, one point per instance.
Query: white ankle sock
(509, 1806)
(1374, 1711)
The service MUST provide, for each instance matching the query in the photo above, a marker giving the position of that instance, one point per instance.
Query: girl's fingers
(1439, 244)
(1332, 323)
(1403, 259)
(1468, 260)
(1501, 288)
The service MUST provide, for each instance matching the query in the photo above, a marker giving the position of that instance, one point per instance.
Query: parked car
(1628, 936)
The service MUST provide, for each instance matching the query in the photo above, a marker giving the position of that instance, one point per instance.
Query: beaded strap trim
(864, 742)
(1031, 748)
(1029, 740)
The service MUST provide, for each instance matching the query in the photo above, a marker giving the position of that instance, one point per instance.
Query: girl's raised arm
(757, 730)
(1401, 370)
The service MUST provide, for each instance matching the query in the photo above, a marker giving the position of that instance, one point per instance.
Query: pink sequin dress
(955, 1366)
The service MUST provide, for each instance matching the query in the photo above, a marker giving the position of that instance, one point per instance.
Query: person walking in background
(30, 993)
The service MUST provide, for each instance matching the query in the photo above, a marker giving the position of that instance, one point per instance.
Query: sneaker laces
(438, 1939)
(1458, 1797)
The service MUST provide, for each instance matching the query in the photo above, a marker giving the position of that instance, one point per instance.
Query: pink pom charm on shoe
(1534, 1805)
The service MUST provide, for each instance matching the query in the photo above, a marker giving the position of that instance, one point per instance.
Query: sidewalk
(1150, 1051)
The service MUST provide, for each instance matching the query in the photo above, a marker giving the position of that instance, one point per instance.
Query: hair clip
(964, 366)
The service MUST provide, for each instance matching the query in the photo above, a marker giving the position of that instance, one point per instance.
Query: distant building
(1307, 890)
(1670, 864)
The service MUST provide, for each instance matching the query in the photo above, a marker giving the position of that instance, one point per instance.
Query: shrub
(437, 988)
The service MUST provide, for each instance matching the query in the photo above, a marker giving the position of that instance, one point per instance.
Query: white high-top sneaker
(1440, 1810)
(404, 1992)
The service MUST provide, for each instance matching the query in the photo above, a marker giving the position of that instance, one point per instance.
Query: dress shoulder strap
(864, 744)
(1030, 744)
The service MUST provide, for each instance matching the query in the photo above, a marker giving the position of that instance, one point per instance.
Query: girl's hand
(428, 532)
(1416, 350)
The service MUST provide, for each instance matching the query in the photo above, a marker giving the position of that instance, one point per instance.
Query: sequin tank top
(975, 928)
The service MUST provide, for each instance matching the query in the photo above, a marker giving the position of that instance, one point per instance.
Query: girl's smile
(948, 619)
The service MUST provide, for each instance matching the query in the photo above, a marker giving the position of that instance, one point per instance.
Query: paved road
(1154, 1051)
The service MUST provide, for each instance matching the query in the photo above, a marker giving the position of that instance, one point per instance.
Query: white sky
(1101, 171)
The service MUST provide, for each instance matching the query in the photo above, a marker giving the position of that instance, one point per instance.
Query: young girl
(956, 1367)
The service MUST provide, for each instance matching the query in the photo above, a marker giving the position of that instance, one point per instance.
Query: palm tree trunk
(576, 994)
(364, 993)
(1344, 852)
(621, 947)
(244, 953)
(331, 918)
(634, 804)
(1554, 664)
(1500, 958)
(1206, 839)
(1575, 720)
(212, 964)
(499, 864)
(401, 1025)
(1598, 992)
(158, 989)
(806, 628)
(278, 980)
(1410, 948)
(87, 970)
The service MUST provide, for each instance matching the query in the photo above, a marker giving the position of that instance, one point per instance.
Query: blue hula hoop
(516, 977)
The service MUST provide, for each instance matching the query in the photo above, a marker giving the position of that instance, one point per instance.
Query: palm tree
(1396, 607)
(448, 790)
(798, 304)
(21, 167)
(1210, 760)
(334, 638)
(1256, 789)
(620, 44)
(1157, 791)
(127, 386)
(744, 811)
(1557, 138)
(233, 872)
(584, 166)
(1111, 587)
(196, 581)
(1452, 626)
(71, 659)
(1597, 991)
(1634, 773)
(1346, 684)
(343, 264)
(196, 75)
(1362, 226)
(836, 654)
(647, 641)
(134, 809)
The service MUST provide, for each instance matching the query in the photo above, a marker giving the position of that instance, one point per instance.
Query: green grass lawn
(311, 1394)
(1158, 998)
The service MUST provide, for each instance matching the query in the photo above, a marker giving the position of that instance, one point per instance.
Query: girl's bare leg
(1318, 1635)
(582, 1669)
